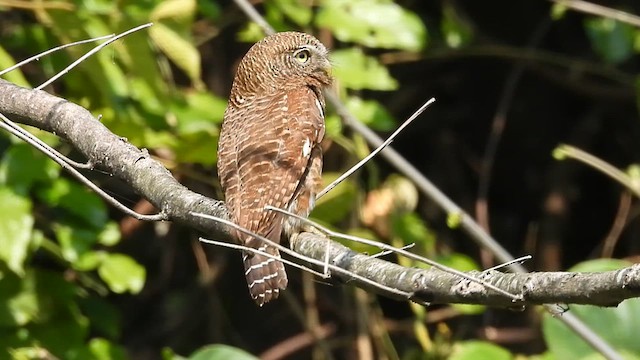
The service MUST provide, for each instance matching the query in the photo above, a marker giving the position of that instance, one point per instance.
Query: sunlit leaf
(74, 241)
(110, 234)
(122, 273)
(102, 349)
(458, 261)
(479, 350)
(295, 10)
(411, 229)
(333, 125)
(15, 229)
(14, 76)
(456, 32)
(370, 112)
(221, 352)
(89, 260)
(20, 299)
(180, 9)
(373, 23)
(179, 49)
(357, 71)
(197, 148)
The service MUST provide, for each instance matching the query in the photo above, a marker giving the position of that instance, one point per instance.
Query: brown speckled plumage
(269, 152)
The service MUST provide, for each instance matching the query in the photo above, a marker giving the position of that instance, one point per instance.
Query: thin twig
(263, 253)
(396, 250)
(498, 125)
(619, 222)
(599, 10)
(108, 198)
(375, 152)
(57, 48)
(387, 252)
(308, 259)
(519, 260)
(15, 128)
(568, 151)
(91, 52)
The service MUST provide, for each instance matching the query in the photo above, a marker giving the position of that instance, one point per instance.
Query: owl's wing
(274, 143)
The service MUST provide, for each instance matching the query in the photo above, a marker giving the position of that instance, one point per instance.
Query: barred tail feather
(265, 276)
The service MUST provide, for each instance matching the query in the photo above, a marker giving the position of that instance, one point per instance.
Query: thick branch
(154, 182)
(439, 287)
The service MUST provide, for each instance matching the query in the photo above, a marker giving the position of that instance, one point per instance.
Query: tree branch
(151, 180)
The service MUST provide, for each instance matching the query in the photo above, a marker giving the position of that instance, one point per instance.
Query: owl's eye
(302, 56)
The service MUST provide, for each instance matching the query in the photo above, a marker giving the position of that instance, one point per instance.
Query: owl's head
(283, 61)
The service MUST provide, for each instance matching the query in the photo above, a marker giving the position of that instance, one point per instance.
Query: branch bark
(154, 182)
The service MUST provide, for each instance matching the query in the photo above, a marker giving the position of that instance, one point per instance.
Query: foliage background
(79, 281)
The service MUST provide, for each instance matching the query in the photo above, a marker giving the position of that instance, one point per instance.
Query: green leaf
(74, 241)
(221, 352)
(371, 113)
(558, 11)
(14, 76)
(618, 326)
(102, 349)
(411, 229)
(199, 147)
(122, 273)
(458, 261)
(337, 203)
(174, 9)
(77, 200)
(357, 71)
(456, 32)
(105, 317)
(481, 350)
(612, 40)
(201, 112)
(20, 299)
(179, 49)
(89, 260)
(22, 166)
(373, 23)
(299, 12)
(110, 234)
(333, 126)
(15, 229)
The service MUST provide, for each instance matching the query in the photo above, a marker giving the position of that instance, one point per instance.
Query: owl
(269, 149)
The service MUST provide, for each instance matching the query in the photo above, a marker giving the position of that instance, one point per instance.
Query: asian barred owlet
(269, 151)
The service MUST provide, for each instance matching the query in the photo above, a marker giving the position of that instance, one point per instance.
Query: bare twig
(387, 252)
(45, 149)
(599, 10)
(519, 260)
(337, 269)
(396, 250)
(619, 222)
(29, 138)
(259, 252)
(567, 151)
(498, 125)
(57, 48)
(375, 152)
(91, 52)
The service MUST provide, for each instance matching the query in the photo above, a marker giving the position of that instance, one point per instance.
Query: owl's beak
(325, 67)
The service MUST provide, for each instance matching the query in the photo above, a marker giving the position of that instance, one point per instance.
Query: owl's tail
(265, 276)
